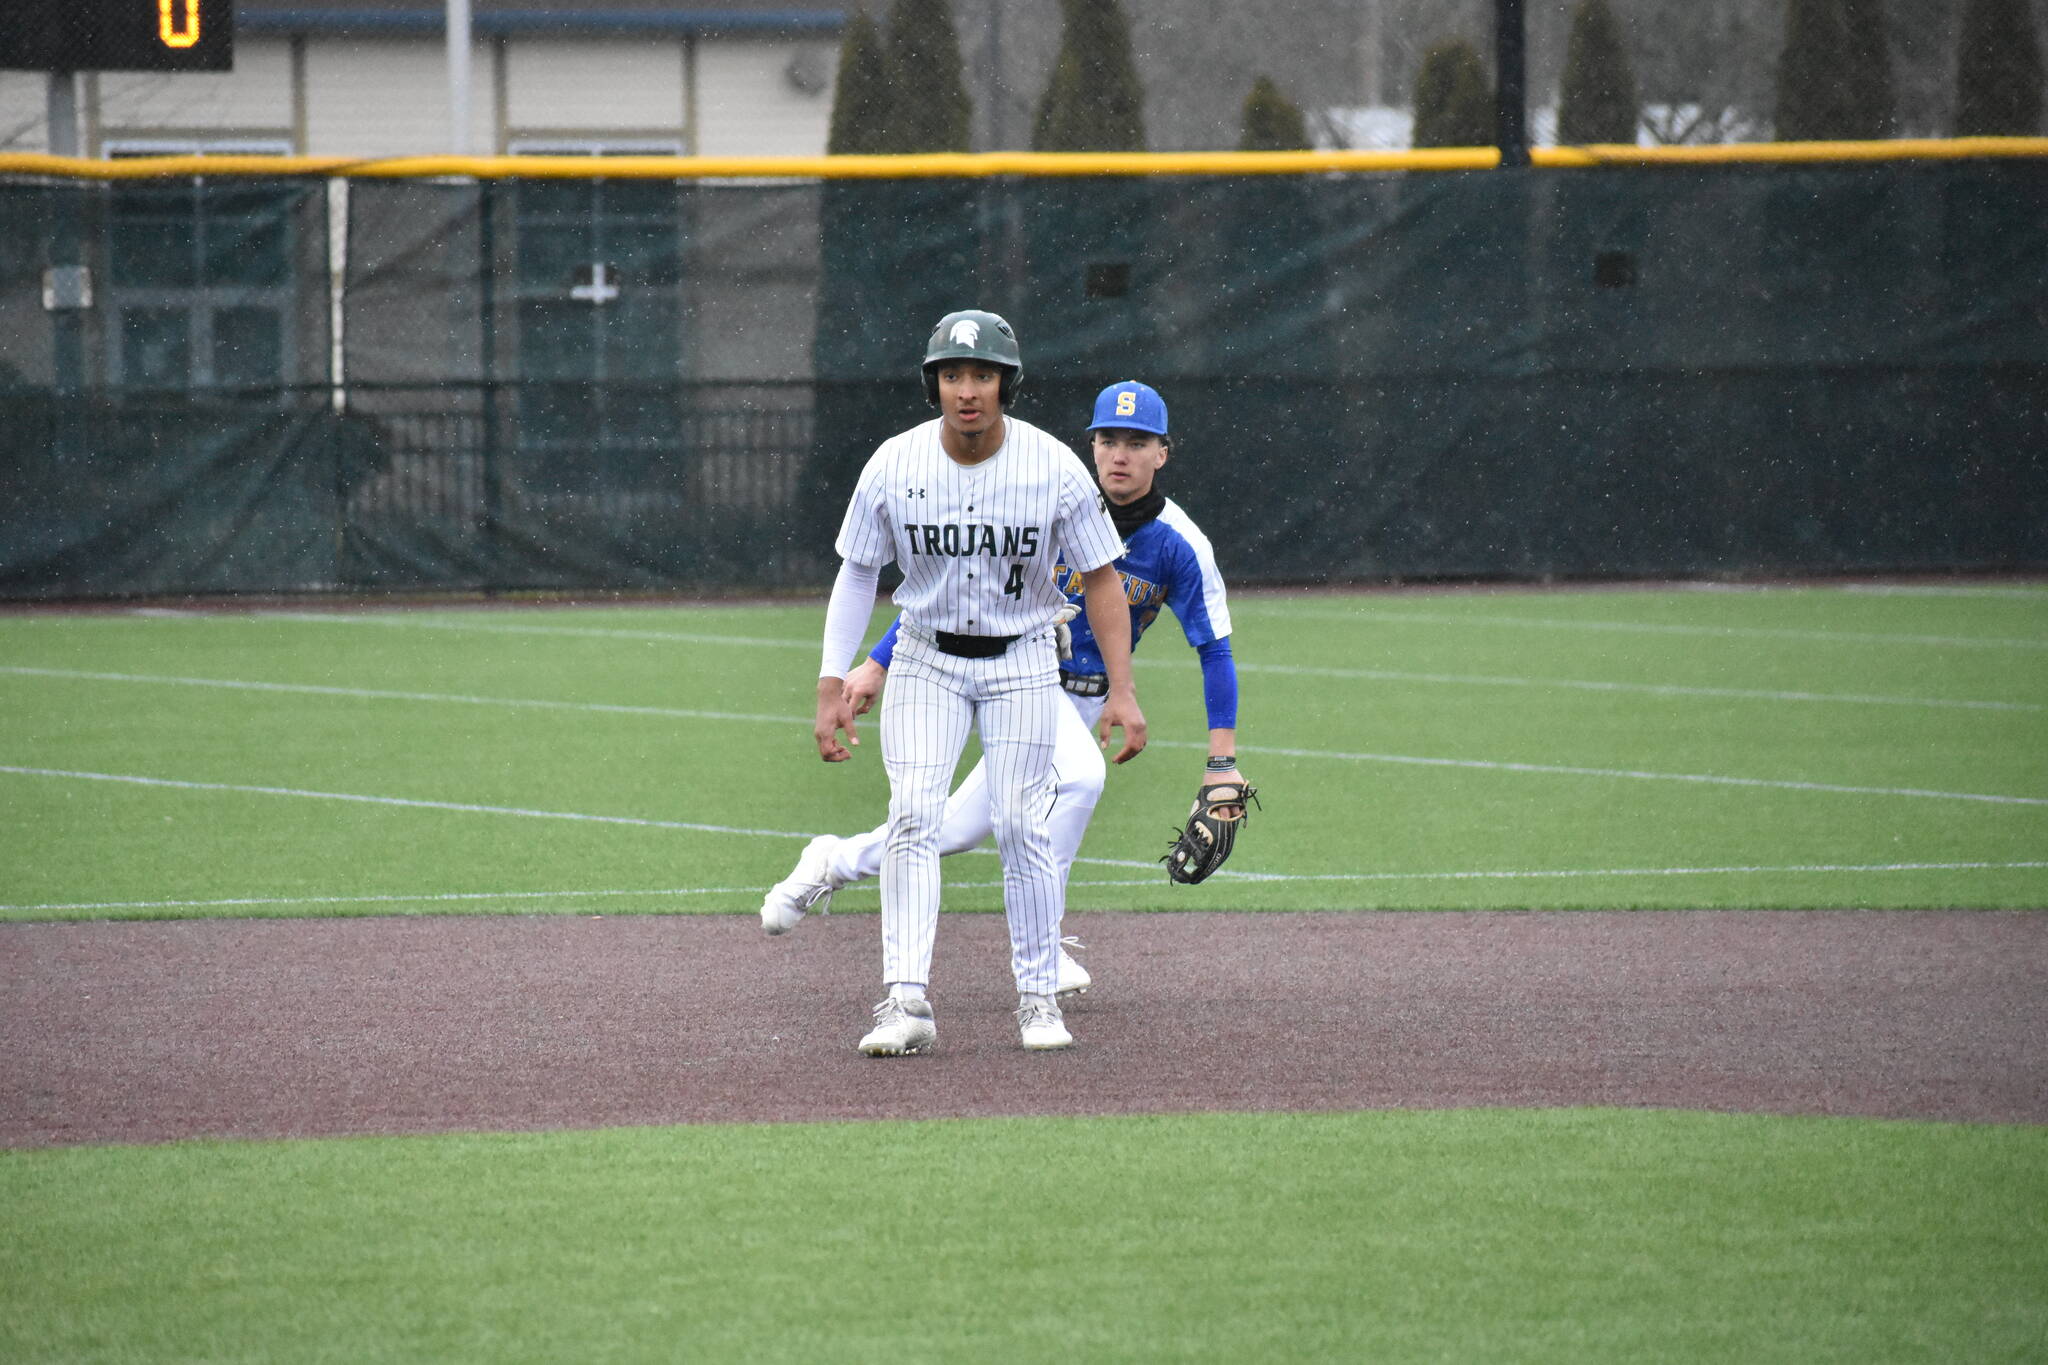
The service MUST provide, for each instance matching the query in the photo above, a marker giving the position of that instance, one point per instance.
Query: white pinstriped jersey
(976, 543)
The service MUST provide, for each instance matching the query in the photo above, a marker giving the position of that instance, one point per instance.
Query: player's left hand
(863, 685)
(1232, 778)
(1204, 845)
(1120, 712)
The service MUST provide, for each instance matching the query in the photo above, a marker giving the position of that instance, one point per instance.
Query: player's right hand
(834, 715)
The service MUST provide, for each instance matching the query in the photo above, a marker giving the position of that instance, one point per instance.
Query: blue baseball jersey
(1167, 562)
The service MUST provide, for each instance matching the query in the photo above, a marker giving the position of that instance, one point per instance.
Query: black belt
(1085, 684)
(972, 646)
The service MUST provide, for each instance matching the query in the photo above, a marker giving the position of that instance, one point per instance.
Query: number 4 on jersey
(1015, 585)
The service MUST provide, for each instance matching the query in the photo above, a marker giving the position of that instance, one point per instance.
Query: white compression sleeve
(846, 616)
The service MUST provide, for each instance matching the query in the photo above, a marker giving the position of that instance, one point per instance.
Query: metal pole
(1511, 120)
(458, 77)
(494, 572)
(997, 94)
(1369, 57)
(63, 112)
(67, 255)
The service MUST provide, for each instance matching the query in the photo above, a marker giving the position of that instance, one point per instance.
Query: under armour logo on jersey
(913, 492)
(966, 332)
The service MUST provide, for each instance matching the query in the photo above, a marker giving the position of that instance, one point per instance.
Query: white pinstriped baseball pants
(1078, 773)
(930, 704)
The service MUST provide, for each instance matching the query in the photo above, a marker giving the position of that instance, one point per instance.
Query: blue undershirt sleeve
(885, 648)
(1219, 683)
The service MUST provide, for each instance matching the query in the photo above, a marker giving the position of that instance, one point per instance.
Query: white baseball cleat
(901, 1028)
(1041, 1026)
(1074, 978)
(809, 887)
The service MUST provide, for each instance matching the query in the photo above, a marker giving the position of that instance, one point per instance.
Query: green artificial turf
(1822, 746)
(1473, 749)
(1566, 1235)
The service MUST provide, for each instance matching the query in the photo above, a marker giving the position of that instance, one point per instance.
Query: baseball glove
(1220, 809)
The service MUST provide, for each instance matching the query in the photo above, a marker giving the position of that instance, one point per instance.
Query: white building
(371, 78)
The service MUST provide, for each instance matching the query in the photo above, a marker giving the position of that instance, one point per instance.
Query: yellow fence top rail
(987, 164)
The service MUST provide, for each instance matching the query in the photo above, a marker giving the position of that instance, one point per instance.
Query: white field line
(1369, 674)
(2035, 594)
(1251, 607)
(431, 898)
(1290, 670)
(1291, 612)
(1569, 770)
(1385, 675)
(643, 822)
(380, 694)
(458, 897)
(1593, 685)
(1409, 760)
(1545, 874)
(1731, 871)
(462, 807)
(473, 809)
(411, 802)
(484, 627)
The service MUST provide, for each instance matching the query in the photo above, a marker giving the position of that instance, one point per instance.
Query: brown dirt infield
(150, 1032)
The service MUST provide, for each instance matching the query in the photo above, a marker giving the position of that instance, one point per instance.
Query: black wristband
(1222, 765)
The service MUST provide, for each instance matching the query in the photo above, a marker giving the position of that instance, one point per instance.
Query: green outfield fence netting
(328, 382)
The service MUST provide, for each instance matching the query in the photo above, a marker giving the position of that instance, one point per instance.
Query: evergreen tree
(1869, 73)
(930, 109)
(1813, 43)
(1093, 103)
(1998, 71)
(1272, 122)
(1834, 73)
(1453, 99)
(861, 100)
(1597, 100)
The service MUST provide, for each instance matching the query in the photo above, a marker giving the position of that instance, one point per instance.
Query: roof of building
(534, 16)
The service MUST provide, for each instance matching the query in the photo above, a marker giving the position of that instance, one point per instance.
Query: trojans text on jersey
(972, 538)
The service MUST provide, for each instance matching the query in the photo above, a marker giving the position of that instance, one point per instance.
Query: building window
(597, 274)
(200, 276)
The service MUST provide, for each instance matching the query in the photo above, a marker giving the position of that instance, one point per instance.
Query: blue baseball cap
(1132, 405)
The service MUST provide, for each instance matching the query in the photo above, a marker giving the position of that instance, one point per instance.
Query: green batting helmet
(972, 334)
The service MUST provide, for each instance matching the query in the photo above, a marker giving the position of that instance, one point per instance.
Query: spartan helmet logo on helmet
(966, 332)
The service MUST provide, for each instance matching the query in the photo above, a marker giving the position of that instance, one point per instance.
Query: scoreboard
(117, 35)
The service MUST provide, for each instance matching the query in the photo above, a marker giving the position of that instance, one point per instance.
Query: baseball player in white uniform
(973, 507)
(1168, 562)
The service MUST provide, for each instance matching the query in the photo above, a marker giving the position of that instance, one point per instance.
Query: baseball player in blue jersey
(1167, 562)
(972, 507)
